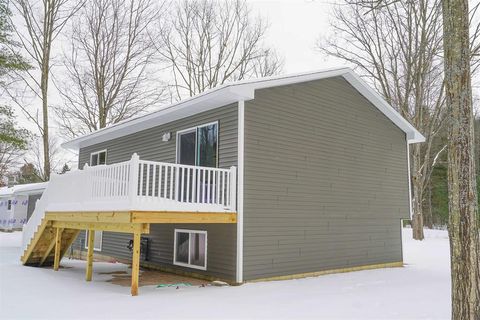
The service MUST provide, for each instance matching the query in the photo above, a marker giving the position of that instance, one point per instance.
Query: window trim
(195, 129)
(97, 153)
(101, 240)
(189, 231)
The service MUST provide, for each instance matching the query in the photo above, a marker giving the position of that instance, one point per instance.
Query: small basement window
(190, 249)
(97, 241)
(98, 158)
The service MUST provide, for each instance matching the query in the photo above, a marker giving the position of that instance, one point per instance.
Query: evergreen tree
(65, 169)
(13, 141)
(10, 59)
(28, 174)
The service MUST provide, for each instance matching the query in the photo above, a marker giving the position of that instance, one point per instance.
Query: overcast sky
(294, 27)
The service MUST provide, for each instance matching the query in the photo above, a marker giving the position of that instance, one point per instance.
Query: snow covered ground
(420, 290)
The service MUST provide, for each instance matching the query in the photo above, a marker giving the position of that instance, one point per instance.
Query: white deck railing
(137, 185)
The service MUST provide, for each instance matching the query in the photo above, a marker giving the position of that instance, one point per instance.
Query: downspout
(409, 175)
(240, 180)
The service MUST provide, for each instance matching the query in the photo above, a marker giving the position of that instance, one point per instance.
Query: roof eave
(413, 135)
(210, 100)
(243, 90)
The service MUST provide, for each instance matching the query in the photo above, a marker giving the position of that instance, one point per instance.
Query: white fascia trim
(413, 135)
(240, 183)
(241, 91)
(208, 100)
(284, 80)
(213, 98)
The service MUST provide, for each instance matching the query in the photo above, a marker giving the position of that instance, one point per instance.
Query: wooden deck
(58, 230)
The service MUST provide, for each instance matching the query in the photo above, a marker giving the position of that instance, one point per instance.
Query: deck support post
(135, 263)
(91, 240)
(58, 245)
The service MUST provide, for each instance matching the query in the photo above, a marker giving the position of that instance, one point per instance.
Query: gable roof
(234, 92)
(23, 189)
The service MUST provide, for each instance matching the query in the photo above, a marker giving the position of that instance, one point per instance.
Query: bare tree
(109, 73)
(207, 43)
(398, 47)
(464, 223)
(43, 22)
(36, 158)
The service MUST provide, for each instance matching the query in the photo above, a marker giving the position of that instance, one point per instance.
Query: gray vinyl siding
(221, 247)
(148, 143)
(325, 181)
(149, 146)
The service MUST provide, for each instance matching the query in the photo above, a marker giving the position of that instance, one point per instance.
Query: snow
(420, 290)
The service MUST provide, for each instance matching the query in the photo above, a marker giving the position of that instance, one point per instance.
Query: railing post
(177, 183)
(133, 179)
(87, 187)
(233, 188)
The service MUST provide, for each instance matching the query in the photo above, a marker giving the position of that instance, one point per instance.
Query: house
(271, 178)
(17, 204)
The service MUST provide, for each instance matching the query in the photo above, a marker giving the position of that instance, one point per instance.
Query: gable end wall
(325, 181)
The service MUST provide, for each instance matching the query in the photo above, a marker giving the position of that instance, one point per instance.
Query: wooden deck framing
(58, 230)
(136, 217)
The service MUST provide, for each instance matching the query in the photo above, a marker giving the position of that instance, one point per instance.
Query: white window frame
(195, 129)
(188, 265)
(101, 240)
(97, 153)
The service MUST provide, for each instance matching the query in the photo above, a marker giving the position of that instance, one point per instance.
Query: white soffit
(232, 93)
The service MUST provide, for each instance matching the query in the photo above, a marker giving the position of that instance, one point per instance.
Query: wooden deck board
(104, 226)
(136, 216)
(183, 217)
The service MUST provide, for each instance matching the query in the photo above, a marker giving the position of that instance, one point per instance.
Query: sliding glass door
(186, 147)
(197, 146)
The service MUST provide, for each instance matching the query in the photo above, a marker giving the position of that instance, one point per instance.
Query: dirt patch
(114, 273)
(152, 277)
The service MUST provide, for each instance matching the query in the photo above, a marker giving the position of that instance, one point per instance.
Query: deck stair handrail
(137, 185)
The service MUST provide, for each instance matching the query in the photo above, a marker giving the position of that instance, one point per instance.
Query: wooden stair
(41, 250)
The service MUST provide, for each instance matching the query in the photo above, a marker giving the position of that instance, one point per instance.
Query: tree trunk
(417, 218)
(427, 206)
(462, 190)
(45, 137)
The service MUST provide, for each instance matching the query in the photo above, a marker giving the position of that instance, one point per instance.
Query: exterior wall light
(166, 136)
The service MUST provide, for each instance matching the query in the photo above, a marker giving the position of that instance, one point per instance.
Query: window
(190, 249)
(198, 145)
(97, 158)
(186, 149)
(97, 241)
(9, 204)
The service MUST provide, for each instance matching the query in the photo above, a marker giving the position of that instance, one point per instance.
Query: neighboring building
(17, 204)
(260, 179)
